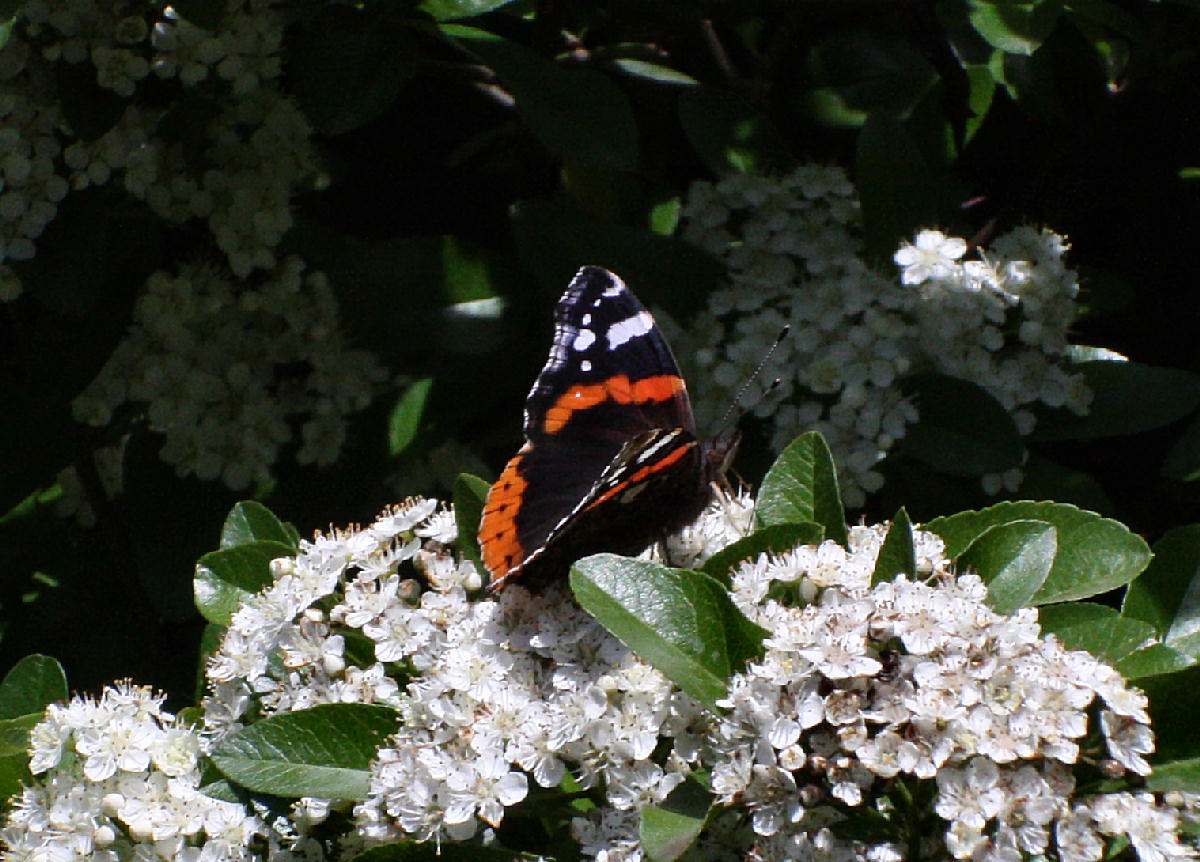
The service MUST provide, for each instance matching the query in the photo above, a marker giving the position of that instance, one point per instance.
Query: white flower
(933, 256)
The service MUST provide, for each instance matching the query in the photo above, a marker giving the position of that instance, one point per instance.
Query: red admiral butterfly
(611, 460)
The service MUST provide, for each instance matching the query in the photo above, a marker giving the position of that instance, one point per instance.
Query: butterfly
(611, 460)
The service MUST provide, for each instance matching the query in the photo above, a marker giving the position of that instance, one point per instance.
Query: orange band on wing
(677, 453)
(619, 389)
(498, 539)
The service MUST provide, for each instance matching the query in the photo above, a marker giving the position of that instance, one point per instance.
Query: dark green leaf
(470, 492)
(1153, 660)
(1180, 775)
(897, 556)
(671, 827)
(963, 430)
(448, 10)
(861, 72)
(14, 753)
(1015, 26)
(895, 189)
(225, 579)
(729, 134)
(1094, 554)
(801, 486)
(555, 240)
(1183, 459)
(1174, 705)
(33, 683)
(347, 67)
(577, 113)
(654, 72)
(1129, 398)
(203, 13)
(251, 521)
(405, 419)
(1048, 480)
(773, 539)
(323, 751)
(1167, 594)
(1014, 560)
(1097, 629)
(681, 622)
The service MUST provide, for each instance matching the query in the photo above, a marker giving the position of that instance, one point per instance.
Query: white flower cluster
(793, 255)
(863, 696)
(866, 687)
(215, 363)
(257, 146)
(118, 778)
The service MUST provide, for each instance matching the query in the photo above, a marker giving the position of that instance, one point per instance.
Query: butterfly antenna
(767, 390)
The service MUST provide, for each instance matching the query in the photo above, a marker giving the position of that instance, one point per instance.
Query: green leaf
(1183, 459)
(1014, 560)
(577, 113)
(1129, 398)
(251, 521)
(470, 492)
(897, 555)
(1176, 775)
(801, 486)
(347, 67)
(668, 829)
(860, 72)
(405, 419)
(681, 622)
(31, 685)
(655, 72)
(225, 579)
(773, 539)
(554, 240)
(448, 10)
(14, 753)
(1015, 26)
(1153, 660)
(1095, 554)
(963, 430)
(1167, 594)
(203, 13)
(729, 134)
(895, 189)
(1096, 628)
(324, 751)
(1174, 705)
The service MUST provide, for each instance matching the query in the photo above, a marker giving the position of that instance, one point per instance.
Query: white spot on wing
(587, 320)
(584, 339)
(629, 328)
(586, 365)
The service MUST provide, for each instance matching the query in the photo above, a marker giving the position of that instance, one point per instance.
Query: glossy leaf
(1128, 398)
(449, 10)
(1014, 560)
(33, 683)
(1167, 594)
(772, 539)
(897, 555)
(323, 751)
(963, 430)
(1174, 705)
(1096, 628)
(801, 486)
(1015, 26)
(470, 492)
(671, 827)
(251, 521)
(1095, 554)
(681, 622)
(895, 188)
(405, 419)
(576, 113)
(1152, 660)
(336, 93)
(225, 579)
